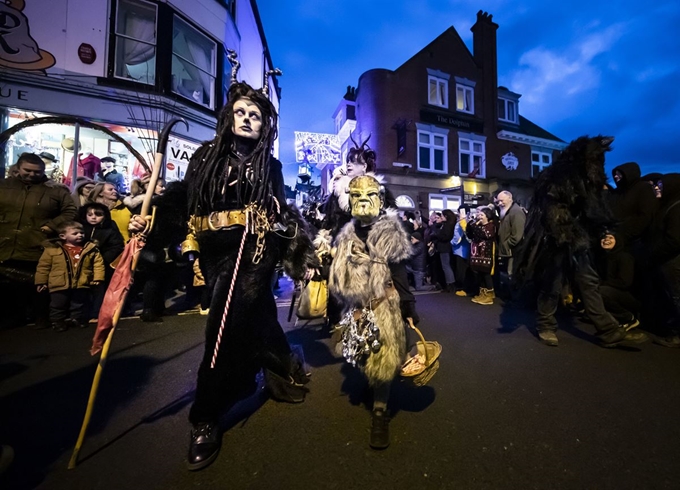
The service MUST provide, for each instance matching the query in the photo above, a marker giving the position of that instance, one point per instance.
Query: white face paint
(247, 119)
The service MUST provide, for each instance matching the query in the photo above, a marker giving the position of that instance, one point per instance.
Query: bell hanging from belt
(189, 247)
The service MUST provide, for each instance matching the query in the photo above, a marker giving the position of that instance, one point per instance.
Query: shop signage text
(87, 54)
(449, 120)
(9, 92)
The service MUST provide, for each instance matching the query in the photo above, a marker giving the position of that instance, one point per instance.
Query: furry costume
(568, 209)
(568, 217)
(360, 275)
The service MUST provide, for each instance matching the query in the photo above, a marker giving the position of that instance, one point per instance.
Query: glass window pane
(535, 157)
(468, 100)
(460, 99)
(545, 158)
(464, 145)
(439, 140)
(501, 109)
(477, 162)
(424, 161)
(439, 160)
(135, 45)
(193, 64)
(424, 138)
(135, 60)
(511, 111)
(442, 93)
(433, 91)
(477, 147)
(535, 170)
(436, 203)
(137, 21)
(464, 163)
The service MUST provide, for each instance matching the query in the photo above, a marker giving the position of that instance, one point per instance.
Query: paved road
(503, 412)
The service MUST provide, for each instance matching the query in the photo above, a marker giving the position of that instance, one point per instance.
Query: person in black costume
(233, 198)
(568, 218)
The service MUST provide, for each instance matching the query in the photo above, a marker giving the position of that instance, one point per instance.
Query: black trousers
(620, 303)
(69, 303)
(551, 280)
(461, 267)
(19, 299)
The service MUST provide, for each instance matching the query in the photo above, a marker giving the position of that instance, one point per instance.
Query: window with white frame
(465, 98)
(432, 148)
(438, 88)
(472, 154)
(507, 110)
(135, 41)
(193, 64)
(540, 159)
(438, 91)
(440, 202)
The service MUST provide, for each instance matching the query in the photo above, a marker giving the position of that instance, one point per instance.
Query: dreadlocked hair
(209, 162)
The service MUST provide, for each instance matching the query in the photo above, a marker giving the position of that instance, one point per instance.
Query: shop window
(432, 149)
(135, 44)
(193, 64)
(539, 161)
(465, 99)
(471, 153)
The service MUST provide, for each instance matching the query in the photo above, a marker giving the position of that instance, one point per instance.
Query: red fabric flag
(115, 294)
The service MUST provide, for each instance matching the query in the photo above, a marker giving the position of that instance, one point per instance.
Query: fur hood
(360, 275)
(360, 270)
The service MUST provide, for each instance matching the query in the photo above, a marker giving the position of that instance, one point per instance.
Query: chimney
(484, 53)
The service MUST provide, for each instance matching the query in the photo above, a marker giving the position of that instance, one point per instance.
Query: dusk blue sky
(582, 67)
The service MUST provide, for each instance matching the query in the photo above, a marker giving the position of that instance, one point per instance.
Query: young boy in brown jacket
(67, 269)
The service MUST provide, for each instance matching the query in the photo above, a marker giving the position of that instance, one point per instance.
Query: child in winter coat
(67, 270)
(101, 230)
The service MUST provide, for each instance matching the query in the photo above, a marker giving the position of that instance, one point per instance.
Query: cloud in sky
(581, 67)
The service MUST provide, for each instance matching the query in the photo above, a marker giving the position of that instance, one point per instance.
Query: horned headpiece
(236, 64)
(362, 153)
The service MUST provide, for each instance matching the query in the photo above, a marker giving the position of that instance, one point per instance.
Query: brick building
(444, 131)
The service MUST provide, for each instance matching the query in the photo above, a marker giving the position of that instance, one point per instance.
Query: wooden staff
(158, 162)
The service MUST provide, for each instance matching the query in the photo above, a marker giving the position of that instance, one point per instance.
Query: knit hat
(417, 235)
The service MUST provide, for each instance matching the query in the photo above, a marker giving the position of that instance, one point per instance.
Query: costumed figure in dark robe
(368, 274)
(233, 200)
(569, 216)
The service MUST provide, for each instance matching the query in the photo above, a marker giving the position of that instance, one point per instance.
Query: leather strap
(218, 220)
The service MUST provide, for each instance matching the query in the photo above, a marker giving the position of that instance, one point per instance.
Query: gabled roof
(451, 31)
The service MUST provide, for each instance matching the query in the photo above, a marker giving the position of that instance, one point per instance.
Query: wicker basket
(420, 373)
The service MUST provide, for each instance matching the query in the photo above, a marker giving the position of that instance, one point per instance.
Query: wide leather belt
(218, 220)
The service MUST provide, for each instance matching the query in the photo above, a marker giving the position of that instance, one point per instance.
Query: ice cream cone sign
(18, 49)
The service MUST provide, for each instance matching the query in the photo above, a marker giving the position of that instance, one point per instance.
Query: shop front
(133, 120)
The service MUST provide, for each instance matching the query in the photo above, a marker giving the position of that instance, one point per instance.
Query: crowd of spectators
(46, 234)
(470, 252)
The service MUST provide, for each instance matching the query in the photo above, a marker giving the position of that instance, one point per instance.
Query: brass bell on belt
(189, 247)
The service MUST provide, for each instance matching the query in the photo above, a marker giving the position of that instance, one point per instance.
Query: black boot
(150, 316)
(283, 390)
(619, 336)
(380, 429)
(60, 326)
(205, 444)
